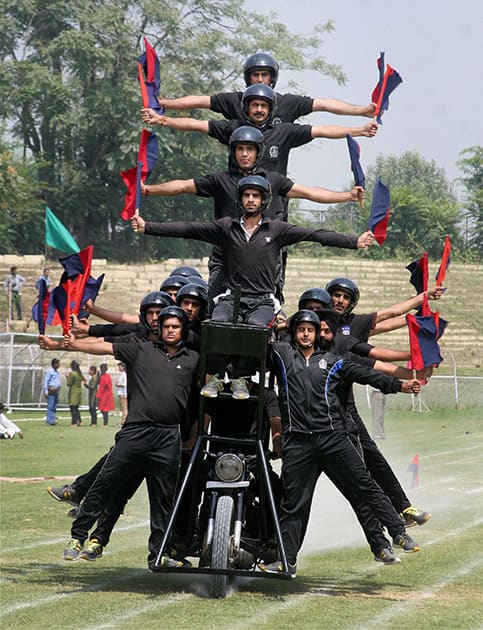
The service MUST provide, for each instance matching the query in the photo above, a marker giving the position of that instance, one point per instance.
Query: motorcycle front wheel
(221, 545)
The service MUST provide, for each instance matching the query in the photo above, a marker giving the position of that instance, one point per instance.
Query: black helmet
(175, 311)
(185, 270)
(198, 280)
(261, 184)
(176, 281)
(318, 295)
(155, 298)
(259, 90)
(304, 315)
(198, 292)
(261, 61)
(348, 285)
(247, 135)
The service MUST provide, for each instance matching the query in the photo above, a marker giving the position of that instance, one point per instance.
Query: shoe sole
(413, 522)
(71, 559)
(88, 558)
(395, 561)
(54, 496)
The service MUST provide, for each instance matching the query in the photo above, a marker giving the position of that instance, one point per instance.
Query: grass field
(338, 583)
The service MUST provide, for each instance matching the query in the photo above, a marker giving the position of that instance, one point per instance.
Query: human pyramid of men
(320, 350)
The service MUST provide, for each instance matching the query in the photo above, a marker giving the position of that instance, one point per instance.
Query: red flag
(414, 468)
(445, 260)
(424, 331)
(380, 209)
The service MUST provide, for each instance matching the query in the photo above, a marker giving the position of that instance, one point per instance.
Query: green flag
(57, 235)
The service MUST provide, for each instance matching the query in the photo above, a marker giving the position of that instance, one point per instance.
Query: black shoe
(415, 516)
(407, 544)
(64, 493)
(92, 551)
(387, 556)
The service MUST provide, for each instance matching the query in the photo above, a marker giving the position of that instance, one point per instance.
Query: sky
(437, 49)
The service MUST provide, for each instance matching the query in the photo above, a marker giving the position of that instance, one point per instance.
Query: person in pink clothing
(105, 396)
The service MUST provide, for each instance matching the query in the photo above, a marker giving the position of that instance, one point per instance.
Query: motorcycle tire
(221, 545)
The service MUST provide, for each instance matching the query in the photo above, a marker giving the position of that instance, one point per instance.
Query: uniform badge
(273, 152)
(323, 364)
(345, 330)
(268, 239)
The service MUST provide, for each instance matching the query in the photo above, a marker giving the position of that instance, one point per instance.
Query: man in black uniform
(258, 107)
(262, 68)
(161, 382)
(345, 296)
(251, 248)
(312, 384)
(246, 149)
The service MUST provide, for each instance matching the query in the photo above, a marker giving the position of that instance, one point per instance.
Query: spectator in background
(51, 391)
(92, 384)
(45, 277)
(8, 429)
(105, 396)
(12, 284)
(378, 406)
(75, 379)
(121, 390)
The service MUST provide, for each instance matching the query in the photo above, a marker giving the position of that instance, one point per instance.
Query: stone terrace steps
(382, 283)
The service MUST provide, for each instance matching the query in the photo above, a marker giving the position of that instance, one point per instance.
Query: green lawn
(338, 583)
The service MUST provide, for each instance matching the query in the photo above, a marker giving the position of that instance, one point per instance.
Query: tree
(471, 163)
(68, 76)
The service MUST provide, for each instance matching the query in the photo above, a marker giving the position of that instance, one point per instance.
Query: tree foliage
(471, 163)
(71, 100)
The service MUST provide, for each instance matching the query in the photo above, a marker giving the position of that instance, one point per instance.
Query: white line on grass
(401, 608)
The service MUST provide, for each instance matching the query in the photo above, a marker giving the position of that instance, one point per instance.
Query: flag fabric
(380, 209)
(132, 178)
(67, 297)
(91, 291)
(354, 154)
(419, 273)
(445, 261)
(424, 332)
(41, 306)
(389, 79)
(57, 235)
(381, 66)
(149, 77)
(414, 469)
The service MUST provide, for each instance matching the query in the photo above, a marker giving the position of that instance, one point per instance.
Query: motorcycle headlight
(229, 467)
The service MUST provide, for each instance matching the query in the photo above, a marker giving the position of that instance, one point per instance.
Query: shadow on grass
(75, 577)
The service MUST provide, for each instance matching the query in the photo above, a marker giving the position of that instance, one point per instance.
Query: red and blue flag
(132, 178)
(67, 296)
(149, 77)
(380, 209)
(389, 79)
(424, 332)
(419, 273)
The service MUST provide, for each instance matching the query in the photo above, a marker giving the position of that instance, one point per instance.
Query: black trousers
(153, 450)
(378, 465)
(305, 457)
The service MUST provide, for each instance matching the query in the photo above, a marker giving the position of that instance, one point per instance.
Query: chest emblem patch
(345, 330)
(323, 364)
(273, 152)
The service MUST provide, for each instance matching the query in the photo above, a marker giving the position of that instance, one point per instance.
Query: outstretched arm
(335, 106)
(322, 195)
(402, 308)
(169, 189)
(387, 354)
(186, 102)
(336, 132)
(151, 117)
(116, 317)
